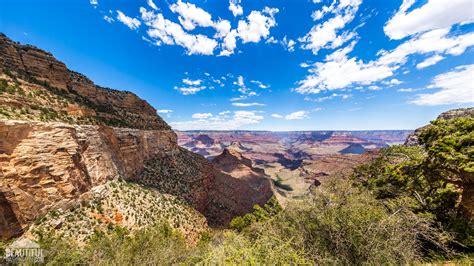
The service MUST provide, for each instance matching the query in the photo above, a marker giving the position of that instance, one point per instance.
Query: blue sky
(265, 64)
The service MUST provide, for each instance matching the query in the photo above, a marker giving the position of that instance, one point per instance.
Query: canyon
(63, 140)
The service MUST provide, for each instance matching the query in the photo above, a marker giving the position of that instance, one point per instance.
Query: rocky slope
(40, 86)
(249, 186)
(62, 138)
(47, 165)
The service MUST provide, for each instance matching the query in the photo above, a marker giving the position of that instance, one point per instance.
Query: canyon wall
(47, 165)
(62, 136)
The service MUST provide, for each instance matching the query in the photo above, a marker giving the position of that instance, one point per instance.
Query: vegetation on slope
(402, 208)
(26, 98)
(121, 204)
(431, 180)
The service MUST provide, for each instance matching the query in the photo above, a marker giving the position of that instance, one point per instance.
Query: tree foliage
(270, 209)
(430, 179)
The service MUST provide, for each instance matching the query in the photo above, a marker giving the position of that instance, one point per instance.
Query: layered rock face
(47, 165)
(237, 188)
(40, 67)
(57, 163)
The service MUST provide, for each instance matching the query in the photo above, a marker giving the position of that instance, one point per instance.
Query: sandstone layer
(45, 165)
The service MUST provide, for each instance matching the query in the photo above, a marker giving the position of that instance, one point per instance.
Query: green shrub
(271, 208)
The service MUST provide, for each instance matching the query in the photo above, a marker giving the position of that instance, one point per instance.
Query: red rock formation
(38, 66)
(45, 165)
(237, 188)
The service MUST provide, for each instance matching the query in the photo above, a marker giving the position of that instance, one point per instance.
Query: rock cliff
(31, 72)
(63, 137)
(48, 165)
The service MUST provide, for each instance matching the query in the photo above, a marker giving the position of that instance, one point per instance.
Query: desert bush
(434, 179)
(260, 214)
(340, 224)
(154, 245)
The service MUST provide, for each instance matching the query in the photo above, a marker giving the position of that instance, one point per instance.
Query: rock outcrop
(412, 139)
(62, 137)
(237, 188)
(47, 165)
(30, 66)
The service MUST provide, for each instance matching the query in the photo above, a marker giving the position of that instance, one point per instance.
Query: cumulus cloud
(108, 19)
(191, 16)
(329, 34)
(247, 104)
(192, 82)
(151, 4)
(235, 8)
(298, 115)
(454, 87)
(168, 32)
(257, 25)
(430, 61)
(130, 22)
(223, 121)
(435, 14)
(190, 90)
(338, 71)
(288, 44)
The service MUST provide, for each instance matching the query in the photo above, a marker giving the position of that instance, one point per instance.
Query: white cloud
(108, 19)
(327, 34)
(151, 4)
(132, 23)
(164, 111)
(429, 61)
(392, 82)
(260, 84)
(247, 104)
(339, 72)
(223, 121)
(201, 115)
(271, 40)
(189, 90)
(374, 88)
(253, 28)
(329, 97)
(192, 82)
(170, 33)
(435, 14)
(288, 44)
(407, 90)
(297, 115)
(456, 86)
(94, 2)
(257, 26)
(235, 8)
(191, 16)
